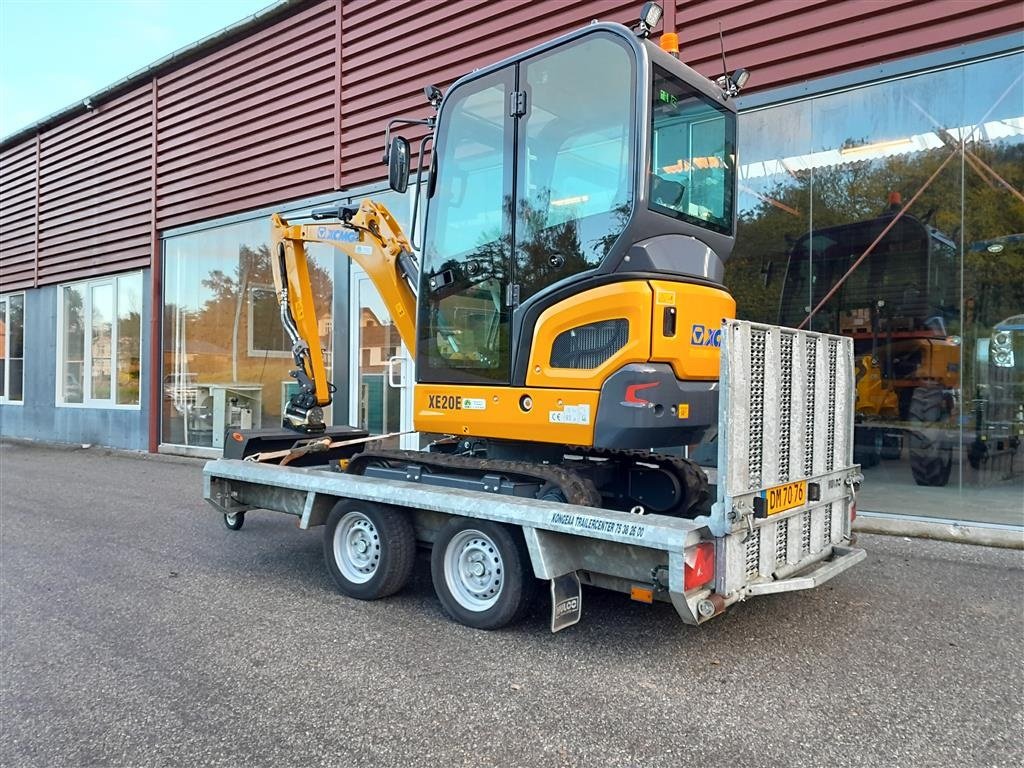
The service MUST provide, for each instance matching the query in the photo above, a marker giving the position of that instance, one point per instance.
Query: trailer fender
(552, 554)
(316, 509)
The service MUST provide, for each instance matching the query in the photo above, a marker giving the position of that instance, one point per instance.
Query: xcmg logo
(339, 235)
(704, 336)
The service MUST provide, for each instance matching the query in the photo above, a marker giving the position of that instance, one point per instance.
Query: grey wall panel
(39, 418)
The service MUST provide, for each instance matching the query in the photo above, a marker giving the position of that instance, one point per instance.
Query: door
(380, 399)
(466, 294)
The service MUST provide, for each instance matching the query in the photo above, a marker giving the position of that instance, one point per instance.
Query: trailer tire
(482, 573)
(234, 520)
(369, 548)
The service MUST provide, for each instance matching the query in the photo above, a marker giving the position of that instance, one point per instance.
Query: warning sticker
(570, 414)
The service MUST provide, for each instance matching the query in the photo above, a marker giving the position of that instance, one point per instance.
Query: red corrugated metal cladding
(783, 41)
(387, 62)
(419, 42)
(252, 124)
(254, 121)
(95, 192)
(18, 215)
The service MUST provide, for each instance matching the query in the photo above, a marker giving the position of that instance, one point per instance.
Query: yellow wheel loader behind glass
(566, 311)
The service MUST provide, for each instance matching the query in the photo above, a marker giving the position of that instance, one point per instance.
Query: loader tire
(865, 448)
(931, 457)
(369, 549)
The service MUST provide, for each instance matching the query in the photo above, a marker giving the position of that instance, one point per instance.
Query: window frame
(252, 349)
(87, 286)
(5, 398)
(730, 140)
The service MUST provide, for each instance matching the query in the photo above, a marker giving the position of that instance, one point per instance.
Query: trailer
(784, 497)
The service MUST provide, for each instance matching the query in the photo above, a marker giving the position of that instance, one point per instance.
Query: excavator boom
(371, 237)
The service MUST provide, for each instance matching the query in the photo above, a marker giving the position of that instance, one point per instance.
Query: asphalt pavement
(136, 630)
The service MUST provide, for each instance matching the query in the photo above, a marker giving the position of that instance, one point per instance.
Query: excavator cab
(590, 160)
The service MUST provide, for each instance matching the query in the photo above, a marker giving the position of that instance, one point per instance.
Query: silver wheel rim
(356, 547)
(473, 570)
(232, 519)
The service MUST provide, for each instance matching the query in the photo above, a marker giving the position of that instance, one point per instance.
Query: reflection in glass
(15, 347)
(464, 315)
(73, 345)
(100, 349)
(379, 403)
(574, 185)
(932, 293)
(693, 151)
(4, 334)
(773, 208)
(225, 362)
(129, 337)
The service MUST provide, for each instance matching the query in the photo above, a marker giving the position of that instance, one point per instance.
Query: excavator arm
(371, 237)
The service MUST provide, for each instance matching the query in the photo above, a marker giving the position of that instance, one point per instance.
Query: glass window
(574, 187)
(129, 338)
(101, 350)
(226, 361)
(12, 348)
(266, 332)
(693, 155)
(72, 364)
(932, 297)
(107, 313)
(464, 313)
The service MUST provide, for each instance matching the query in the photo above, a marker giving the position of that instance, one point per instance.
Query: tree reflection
(993, 283)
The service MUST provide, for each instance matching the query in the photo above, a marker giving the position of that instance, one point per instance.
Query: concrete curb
(103, 450)
(942, 530)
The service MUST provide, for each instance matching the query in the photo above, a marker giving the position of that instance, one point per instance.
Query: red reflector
(237, 437)
(699, 566)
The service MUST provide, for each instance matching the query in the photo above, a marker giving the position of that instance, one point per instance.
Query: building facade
(136, 301)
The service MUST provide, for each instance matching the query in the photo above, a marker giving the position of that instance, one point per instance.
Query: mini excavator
(565, 309)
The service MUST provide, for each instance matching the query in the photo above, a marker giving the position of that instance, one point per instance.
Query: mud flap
(566, 601)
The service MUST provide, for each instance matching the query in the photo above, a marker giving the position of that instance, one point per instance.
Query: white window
(99, 345)
(267, 337)
(12, 348)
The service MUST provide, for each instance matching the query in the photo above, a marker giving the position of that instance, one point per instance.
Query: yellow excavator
(565, 308)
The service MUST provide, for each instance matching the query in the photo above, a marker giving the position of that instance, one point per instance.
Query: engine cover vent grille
(587, 346)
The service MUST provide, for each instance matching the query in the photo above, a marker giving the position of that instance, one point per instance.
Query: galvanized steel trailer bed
(785, 416)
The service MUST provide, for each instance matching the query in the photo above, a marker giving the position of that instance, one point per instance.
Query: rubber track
(689, 474)
(576, 489)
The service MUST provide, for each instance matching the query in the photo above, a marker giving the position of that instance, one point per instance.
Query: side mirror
(398, 164)
(432, 176)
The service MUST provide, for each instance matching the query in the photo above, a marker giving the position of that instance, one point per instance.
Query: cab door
(466, 296)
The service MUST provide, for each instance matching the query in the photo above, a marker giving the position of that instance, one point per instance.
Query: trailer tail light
(699, 565)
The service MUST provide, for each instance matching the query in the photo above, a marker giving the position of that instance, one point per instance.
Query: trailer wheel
(481, 573)
(234, 520)
(370, 549)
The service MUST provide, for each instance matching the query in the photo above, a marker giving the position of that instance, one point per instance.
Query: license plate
(788, 496)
